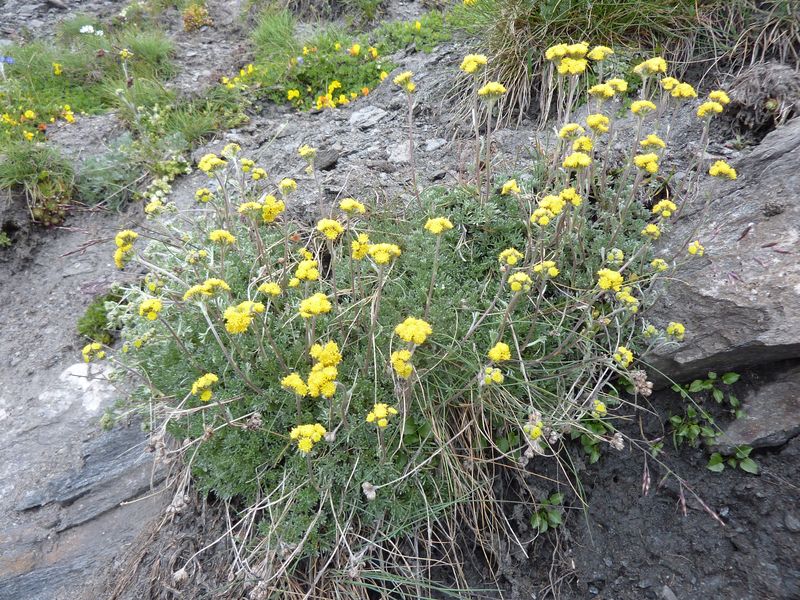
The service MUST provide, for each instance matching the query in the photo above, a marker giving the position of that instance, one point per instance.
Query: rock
(741, 301)
(772, 415)
(367, 117)
(792, 523)
(668, 594)
(399, 153)
(433, 144)
(326, 160)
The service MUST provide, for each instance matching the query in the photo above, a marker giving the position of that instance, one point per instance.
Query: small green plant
(692, 427)
(94, 323)
(713, 384)
(196, 16)
(5, 241)
(548, 516)
(741, 459)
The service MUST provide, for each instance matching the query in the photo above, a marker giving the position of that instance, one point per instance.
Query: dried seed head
(617, 441)
(641, 385)
(330, 437)
(255, 422)
(369, 490)
(180, 577)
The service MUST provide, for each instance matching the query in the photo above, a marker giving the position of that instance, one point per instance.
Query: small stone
(792, 523)
(367, 117)
(668, 594)
(434, 144)
(399, 153)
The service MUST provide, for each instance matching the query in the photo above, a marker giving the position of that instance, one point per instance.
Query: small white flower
(87, 29)
(99, 33)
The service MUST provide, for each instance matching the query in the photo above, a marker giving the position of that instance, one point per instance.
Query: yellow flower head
(150, 308)
(327, 355)
(438, 225)
(492, 375)
(619, 85)
(651, 231)
(696, 248)
(683, 91)
(238, 318)
(258, 173)
(623, 356)
(664, 208)
(676, 331)
(720, 97)
(351, 205)
(647, 162)
(294, 383)
(652, 66)
(93, 351)
(582, 144)
(541, 216)
(608, 279)
(570, 130)
(204, 195)
(210, 163)
(602, 91)
(383, 253)
(247, 165)
(231, 150)
(571, 66)
(125, 238)
(510, 187)
(202, 386)
(652, 141)
(271, 209)
(520, 282)
(546, 268)
(330, 228)
(287, 186)
(380, 414)
(598, 123)
(473, 63)
(270, 288)
(317, 304)
(722, 169)
(306, 436)
(510, 256)
(615, 256)
(355, 50)
(642, 107)
(306, 152)
(373, 51)
(571, 195)
(57, 70)
(250, 209)
(576, 161)
(709, 108)
(401, 363)
(659, 264)
(359, 248)
(533, 430)
(413, 330)
(599, 409)
(599, 53)
(403, 79)
(292, 95)
(221, 236)
(322, 381)
(499, 352)
(492, 91)
(668, 83)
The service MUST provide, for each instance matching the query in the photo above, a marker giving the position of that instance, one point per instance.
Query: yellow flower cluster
(380, 414)
(322, 381)
(722, 169)
(608, 279)
(510, 256)
(642, 107)
(306, 436)
(124, 242)
(351, 205)
(599, 53)
(294, 383)
(401, 363)
(647, 162)
(664, 208)
(583, 144)
(659, 264)
(652, 66)
(615, 256)
(383, 253)
(492, 375)
(238, 318)
(328, 355)
(272, 208)
(520, 282)
(546, 267)
(652, 231)
(683, 91)
(270, 288)
(623, 356)
(599, 409)
(359, 247)
(571, 66)
(210, 163)
(93, 351)
(250, 209)
(150, 308)
(404, 81)
(601, 91)
(195, 257)
(620, 85)
(330, 228)
(207, 288)
(510, 187)
(598, 123)
(202, 386)
(222, 236)
(551, 205)
(576, 161)
(473, 63)
(204, 195)
(258, 173)
(696, 248)
(533, 429)
(287, 186)
(709, 109)
(413, 330)
(246, 164)
(626, 297)
(317, 304)
(652, 141)
(676, 330)
(499, 352)
(570, 130)
(438, 225)
(719, 96)
(492, 91)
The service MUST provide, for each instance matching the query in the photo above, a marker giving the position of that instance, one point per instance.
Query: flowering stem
(228, 357)
(381, 445)
(310, 468)
(490, 308)
(477, 127)
(374, 317)
(433, 276)
(509, 309)
(180, 344)
(411, 159)
(488, 160)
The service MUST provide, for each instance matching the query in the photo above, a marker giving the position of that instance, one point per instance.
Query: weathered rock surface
(740, 302)
(772, 414)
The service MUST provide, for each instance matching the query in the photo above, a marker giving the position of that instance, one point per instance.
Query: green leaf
(749, 465)
(730, 378)
(718, 395)
(556, 499)
(716, 463)
(743, 452)
(712, 375)
(554, 518)
(696, 386)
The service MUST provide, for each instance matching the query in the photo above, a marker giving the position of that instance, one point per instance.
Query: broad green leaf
(749, 465)
(730, 378)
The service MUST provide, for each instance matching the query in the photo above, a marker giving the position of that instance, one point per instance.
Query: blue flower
(7, 60)
(300, 60)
